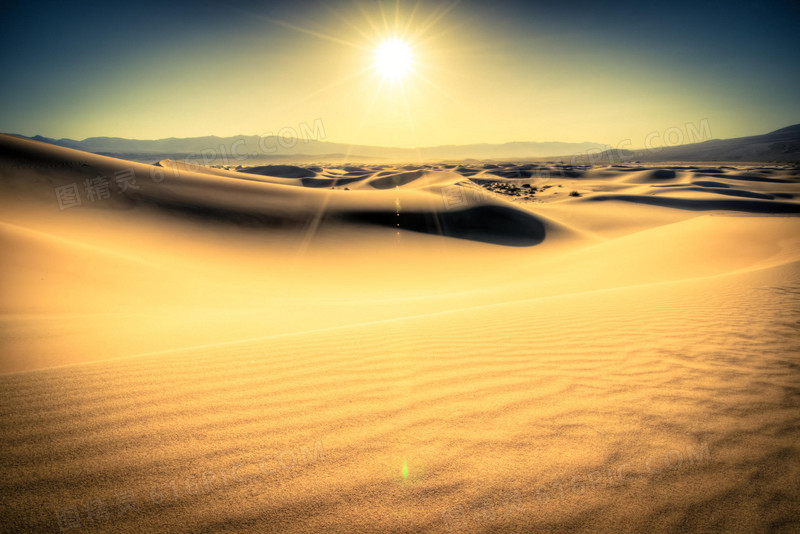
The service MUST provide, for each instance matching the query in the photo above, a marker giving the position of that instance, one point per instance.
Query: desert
(432, 351)
(395, 266)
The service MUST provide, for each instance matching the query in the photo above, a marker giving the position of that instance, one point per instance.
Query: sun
(393, 58)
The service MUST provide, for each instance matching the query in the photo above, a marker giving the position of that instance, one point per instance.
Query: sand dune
(439, 348)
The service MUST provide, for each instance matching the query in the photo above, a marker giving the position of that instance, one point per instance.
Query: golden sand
(432, 349)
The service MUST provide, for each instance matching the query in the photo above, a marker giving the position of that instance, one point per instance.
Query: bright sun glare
(393, 58)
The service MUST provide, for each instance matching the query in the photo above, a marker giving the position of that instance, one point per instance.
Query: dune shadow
(327, 182)
(731, 192)
(709, 183)
(748, 206)
(512, 173)
(749, 178)
(243, 218)
(280, 171)
(395, 180)
(653, 176)
(497, 225)
(466, 171)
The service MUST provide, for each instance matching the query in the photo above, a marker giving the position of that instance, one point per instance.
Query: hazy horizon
(689, 133)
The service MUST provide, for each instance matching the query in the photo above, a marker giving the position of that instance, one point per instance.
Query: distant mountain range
(273, 147)
(780, 145)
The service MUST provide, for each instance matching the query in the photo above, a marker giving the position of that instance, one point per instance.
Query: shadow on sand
(498, 225)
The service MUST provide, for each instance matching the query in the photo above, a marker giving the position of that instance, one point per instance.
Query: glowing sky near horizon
(483, 71)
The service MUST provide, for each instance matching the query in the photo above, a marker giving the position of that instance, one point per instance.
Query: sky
(483, 72)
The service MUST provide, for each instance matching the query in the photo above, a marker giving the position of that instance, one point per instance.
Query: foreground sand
(287, 360)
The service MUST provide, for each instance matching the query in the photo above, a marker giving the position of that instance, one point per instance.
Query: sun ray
(313, 226)
(396, 14)
(322, 90)
(375, 29)
(410, 20)
(437, 88)
(436, 17)
(412, 125)
(386, 28)
(367, 112)
(355, 27)
(456, 74)
(315, 33)
(410, 118)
